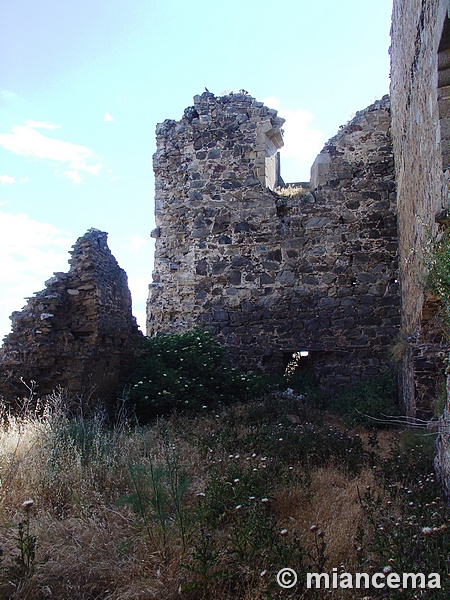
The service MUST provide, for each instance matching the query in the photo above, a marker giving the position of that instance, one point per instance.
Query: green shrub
(307, 384)
(364, 401)
(185, 372)
(438, 278)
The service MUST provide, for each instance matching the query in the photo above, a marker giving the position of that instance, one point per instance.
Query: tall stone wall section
(210, 208)
(75, 334)
(422, 193)
(442, 456)
(272, 273)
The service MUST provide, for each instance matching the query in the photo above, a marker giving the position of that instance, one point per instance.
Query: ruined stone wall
(442, 456)
(211, 210)
(273, 273)
(76, 333)
(422, 195)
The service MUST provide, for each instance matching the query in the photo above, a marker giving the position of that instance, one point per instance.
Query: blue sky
(83, 85)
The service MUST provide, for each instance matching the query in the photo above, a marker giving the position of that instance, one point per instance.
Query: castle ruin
(77, 333)
(269, 271)
(420, 97)
(275, 270)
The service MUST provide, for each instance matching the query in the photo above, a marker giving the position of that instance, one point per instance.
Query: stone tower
(269, 271)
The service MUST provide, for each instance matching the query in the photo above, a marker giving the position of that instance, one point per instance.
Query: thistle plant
(26, 543)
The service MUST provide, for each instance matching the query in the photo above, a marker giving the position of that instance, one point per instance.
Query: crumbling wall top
(352, 153)
(77, 332)
(215, 124)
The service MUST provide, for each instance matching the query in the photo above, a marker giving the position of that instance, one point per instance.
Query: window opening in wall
(268, 161)
(297, 363)
(443, 92)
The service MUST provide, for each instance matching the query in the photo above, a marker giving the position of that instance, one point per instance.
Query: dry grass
(292, 191)
(332, 502)
(89, 545)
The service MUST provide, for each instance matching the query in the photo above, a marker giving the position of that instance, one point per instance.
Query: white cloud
(6, 180)
(30, 252)
(109, 118)
(41, 125)
(272, 102)
(7, 96)
(135, 243)
(74, 176)
(25, 140)
(302, 142)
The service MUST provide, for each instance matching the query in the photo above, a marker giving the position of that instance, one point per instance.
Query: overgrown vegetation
(370, 402)
(212, 505)
(438, 277)
(214, 499)
(188, 373)
(185, 372)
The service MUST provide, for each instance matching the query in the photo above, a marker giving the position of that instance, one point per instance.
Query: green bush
(307, 384)
(185, 372)
(362, 402)
(438, 278)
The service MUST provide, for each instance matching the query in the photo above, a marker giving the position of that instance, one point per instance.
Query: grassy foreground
(214, 505)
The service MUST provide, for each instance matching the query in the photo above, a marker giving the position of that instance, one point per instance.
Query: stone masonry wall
(422, 194)
(271, 273)
(211, 210)
(420, 93)
(76, 333)
(442, 456)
